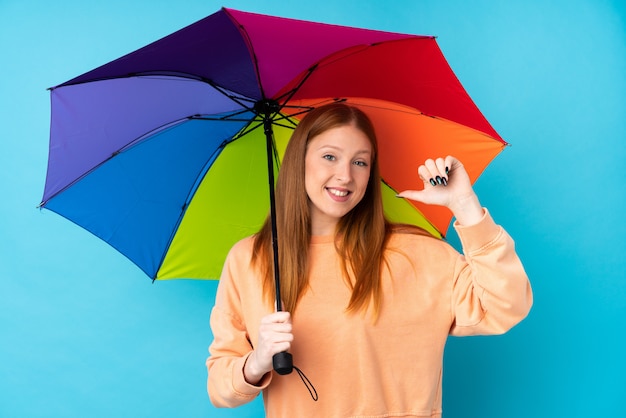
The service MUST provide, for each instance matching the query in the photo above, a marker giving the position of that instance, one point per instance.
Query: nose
(344, 172)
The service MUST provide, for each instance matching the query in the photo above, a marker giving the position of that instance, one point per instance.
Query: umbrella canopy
(162, 153)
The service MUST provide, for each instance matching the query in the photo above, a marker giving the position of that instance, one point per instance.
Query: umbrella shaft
(267, 126)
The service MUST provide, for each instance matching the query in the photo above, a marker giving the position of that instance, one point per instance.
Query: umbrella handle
(283, 363)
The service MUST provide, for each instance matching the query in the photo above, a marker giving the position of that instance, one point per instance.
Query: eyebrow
(334, 147)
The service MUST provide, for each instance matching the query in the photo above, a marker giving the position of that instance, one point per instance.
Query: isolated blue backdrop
(84, 334)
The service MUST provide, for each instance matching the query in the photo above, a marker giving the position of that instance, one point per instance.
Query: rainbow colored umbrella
(163, 153)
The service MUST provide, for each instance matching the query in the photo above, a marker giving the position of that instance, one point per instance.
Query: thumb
(282, 306)
(415, 195)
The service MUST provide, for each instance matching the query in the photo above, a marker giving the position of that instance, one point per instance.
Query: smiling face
(337, 171)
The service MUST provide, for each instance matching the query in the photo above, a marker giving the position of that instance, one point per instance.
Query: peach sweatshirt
(391, 368)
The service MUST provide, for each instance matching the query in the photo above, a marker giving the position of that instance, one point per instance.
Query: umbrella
(169, 152)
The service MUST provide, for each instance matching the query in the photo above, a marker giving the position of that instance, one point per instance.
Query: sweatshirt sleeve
(491, 292)
(231, 346)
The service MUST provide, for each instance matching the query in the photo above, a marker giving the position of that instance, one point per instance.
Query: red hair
(361, 235)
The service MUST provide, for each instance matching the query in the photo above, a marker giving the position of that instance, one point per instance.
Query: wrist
(250, 372)
(467, 210)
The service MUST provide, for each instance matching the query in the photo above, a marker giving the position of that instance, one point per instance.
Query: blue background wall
(84, 333)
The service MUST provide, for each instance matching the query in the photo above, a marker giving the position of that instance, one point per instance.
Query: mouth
(340, 193)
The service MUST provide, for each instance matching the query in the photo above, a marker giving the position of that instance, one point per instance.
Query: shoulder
(422, 257)
(239, 291)
(239, 258)
(409, 240)
(242, 248)
(239, 272)
(399, 233)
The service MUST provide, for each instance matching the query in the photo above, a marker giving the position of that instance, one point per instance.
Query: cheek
(309, 182)
(364, 180)
(308, 174)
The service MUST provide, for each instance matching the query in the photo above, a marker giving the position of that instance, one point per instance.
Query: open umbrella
(167, 152)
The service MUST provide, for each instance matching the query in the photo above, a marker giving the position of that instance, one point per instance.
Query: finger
(269, 344)
(441, 170)
(452, 163)
(269, 330)
(426, 176)
(411, 195)
(279, 348)
(282, 328)
(281, 338)
(435, 174)
(281, 316)
(275, 334)
(440, 163)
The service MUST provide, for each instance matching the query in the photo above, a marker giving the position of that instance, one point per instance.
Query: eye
(361, 163)
(329, 157)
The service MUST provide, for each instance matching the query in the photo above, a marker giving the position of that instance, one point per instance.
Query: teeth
(338, 193)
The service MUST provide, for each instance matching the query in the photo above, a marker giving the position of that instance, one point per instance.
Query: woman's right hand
(274, 337)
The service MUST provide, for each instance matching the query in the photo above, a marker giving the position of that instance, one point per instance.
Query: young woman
(368, 305)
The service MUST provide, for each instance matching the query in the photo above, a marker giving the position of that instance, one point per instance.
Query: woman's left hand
(446, 183)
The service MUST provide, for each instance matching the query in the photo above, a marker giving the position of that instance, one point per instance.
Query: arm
(491, 292)
(232, 345)
(246, 336)
(229, 353)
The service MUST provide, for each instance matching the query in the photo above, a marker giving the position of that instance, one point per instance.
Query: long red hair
(361, 235)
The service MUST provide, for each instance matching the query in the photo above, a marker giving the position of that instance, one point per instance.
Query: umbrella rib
(417, 112)
(240, 100)
(283, 125)
(152, 74)
(289, 95)
(307, 109)
(231, 117)
(188, 199)
(113, 154)
(245, 131)
(249, 103)
(357, 49)
(277, 120)
(139, 140)
(248, 41)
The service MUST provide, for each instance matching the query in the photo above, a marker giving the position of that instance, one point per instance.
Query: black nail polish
(439, 180)
(433, 182)
(445, 181)
(447, 170)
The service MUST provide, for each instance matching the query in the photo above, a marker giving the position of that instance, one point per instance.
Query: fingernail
(445, 181)
(447, 170)
(439, 180)
(433, 182)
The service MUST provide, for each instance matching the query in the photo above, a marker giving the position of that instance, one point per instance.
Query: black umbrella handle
(283, 363)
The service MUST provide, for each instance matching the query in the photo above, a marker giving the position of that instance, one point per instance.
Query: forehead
(343, 137)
